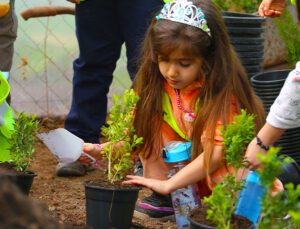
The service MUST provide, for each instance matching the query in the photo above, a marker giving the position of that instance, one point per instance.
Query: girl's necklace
(188, 115)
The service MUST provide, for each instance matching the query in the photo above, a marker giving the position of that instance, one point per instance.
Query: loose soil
(199, 215)
(65, 196)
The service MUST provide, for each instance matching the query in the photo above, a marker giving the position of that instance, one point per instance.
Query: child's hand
(160, 186)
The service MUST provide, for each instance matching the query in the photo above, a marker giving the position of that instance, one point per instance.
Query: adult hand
(74, 1)
(271, 8)
(159, 186)
(93, 150)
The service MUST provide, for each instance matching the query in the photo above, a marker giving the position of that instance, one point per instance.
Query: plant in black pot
(21, 146)
(218, 209)
(278, 210)
(109, 204)
(283, 209)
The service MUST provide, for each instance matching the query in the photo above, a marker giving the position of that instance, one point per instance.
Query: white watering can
(66, 146)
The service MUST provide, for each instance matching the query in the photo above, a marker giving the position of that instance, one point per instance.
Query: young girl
(190, 83)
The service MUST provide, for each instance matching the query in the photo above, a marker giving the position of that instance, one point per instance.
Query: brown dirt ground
(65, 196)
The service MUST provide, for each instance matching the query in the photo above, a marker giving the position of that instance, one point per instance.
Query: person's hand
(93, 150)
(252, 161)
(74, 1)
(159, 186)
(271, 8)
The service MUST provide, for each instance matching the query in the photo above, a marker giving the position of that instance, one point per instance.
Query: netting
(41, 77)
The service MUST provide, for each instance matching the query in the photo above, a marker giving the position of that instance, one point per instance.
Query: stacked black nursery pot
(267, 86)
(245, 34)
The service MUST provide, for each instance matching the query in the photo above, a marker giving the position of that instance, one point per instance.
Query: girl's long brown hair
(224, 79)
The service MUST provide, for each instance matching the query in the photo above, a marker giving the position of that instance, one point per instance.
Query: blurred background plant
(290, 34)
(243, 6)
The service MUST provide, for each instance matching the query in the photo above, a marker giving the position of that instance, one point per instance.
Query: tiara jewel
(184, 11)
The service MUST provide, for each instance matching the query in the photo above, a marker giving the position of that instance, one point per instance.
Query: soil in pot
(198, 217)
(23, 180)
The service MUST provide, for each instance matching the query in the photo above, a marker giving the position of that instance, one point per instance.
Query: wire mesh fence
(41, 76)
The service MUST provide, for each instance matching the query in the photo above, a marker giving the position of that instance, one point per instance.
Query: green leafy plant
(121, 136)
(289, 32)
(276, 207)
(224, 195)
(244, 6)
(21, 143)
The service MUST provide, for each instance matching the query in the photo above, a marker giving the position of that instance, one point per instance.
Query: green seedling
(120, 133)
(275, 207)
(22, 141)
(224, 196)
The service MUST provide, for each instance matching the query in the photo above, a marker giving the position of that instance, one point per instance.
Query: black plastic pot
(22, 181)
(108, 207)
(248, 48)
(245, 35)
(254, 62)
(200, 215)
(290, 174)
(197, 225)
(250, 54)
(270, 77)
(242, 19)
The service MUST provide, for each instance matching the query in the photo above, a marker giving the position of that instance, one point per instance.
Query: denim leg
(8, 35)
(100, 43)
(134, 17)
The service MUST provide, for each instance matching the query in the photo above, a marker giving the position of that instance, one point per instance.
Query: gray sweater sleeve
(285, 111)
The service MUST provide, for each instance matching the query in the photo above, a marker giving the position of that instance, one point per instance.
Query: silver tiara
(184, 11)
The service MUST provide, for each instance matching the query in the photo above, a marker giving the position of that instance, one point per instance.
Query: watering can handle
(46, 11)
(90, 157)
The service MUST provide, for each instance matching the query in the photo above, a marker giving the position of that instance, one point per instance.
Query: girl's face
(179, 69)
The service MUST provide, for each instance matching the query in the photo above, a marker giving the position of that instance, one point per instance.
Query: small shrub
(290, 33)
(21, 143)
(121, 136)
(224, 196)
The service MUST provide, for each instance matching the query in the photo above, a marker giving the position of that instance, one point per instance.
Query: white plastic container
(66, 146)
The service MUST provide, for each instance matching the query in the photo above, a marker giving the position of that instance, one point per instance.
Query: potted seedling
(108, 203)
(278, 211)
(282, 210)
(218, 209)
(21, 148)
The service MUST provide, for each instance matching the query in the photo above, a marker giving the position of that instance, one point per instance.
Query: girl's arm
(190, 174)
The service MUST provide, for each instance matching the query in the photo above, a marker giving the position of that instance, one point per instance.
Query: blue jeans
(8, 35)
(102, 26)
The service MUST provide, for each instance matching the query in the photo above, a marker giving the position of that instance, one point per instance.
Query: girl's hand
(160, 186)
(271, 8)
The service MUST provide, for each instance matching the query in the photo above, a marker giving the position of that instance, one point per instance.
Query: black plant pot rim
(197, 223)
(242, 17)
(86, 184)
(25, 174)
(276, 87)
(281, 74)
